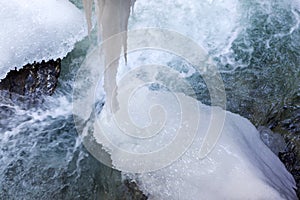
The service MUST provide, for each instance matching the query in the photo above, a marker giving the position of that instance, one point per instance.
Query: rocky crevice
(33, 79)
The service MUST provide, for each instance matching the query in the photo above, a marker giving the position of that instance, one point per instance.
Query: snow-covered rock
(36, 30)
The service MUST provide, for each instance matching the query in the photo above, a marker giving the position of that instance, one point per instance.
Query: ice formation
(240, 166)
(35, 30)
(108, 25)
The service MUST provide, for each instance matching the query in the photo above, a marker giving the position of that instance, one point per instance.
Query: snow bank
(35, 30)
(240, 166)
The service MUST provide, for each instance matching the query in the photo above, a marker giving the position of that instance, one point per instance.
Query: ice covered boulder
(240, 166)
(36, 30)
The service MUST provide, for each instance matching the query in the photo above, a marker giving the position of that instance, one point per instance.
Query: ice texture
(240, 166)
(36, 30)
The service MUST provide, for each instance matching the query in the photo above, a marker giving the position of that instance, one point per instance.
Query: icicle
(132, 5)
(88, 7)
(99, 7)
(112, 18)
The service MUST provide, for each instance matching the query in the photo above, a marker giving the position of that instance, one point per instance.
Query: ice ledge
(36, 30)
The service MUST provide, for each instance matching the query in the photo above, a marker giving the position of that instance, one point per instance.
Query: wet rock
(274, 141)
(37, 78)
(290, 158)
(134, 190)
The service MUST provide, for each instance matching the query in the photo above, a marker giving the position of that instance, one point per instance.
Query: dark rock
(36, 78)
(134, 190)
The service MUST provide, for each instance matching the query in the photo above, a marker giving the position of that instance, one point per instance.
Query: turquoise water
(43, 158)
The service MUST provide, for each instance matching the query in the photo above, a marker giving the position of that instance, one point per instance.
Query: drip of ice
(36, 30)
(109, 24)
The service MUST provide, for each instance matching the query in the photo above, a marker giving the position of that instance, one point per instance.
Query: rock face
(36, 78)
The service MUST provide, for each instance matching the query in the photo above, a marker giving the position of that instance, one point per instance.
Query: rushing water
(257, 51)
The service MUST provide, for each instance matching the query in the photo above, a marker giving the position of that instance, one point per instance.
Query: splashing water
(254, 44)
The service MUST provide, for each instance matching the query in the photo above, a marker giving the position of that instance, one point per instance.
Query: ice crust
(36, 30)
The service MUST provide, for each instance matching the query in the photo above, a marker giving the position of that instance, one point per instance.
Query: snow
(36, 30)
(240, 166)
(165, 164)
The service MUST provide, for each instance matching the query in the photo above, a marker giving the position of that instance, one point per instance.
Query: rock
(273, 140)
(37, 78)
